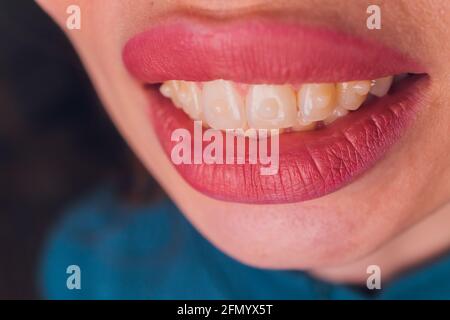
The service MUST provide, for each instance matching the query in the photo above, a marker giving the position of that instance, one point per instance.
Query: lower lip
(311, 164)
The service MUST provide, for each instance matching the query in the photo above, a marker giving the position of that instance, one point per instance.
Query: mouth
(338, 102)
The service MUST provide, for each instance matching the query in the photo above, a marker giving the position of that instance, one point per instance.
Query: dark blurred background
(56, 142)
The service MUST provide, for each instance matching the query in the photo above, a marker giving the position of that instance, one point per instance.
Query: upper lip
(258, 50)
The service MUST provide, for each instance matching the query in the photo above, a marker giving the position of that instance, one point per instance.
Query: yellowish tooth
(380, 87)
(169, 89)
(184, 95)
(351, 95)
(271, 106)
(166, 89)
(338, 112)
(223, 107)
(316, 101)
(189, 98)
(304, 127)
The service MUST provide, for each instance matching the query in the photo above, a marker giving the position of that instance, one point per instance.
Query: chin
(301, 236)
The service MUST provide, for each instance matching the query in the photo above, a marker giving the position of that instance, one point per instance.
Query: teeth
(190, 99)
(351, 95)
(338, 112)
(169, 89)
(223, 106)
(380, 87)
(316, 101)
(299, 126)
(271, 107)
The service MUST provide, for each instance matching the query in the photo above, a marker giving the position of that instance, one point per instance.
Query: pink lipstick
(311, 164)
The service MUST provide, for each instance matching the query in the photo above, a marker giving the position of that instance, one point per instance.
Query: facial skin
(394, 216)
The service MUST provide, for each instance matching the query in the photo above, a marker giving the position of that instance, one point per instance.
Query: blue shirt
(152, 252)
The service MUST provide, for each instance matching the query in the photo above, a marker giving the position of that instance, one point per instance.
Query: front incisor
(223, 107)
(271, 107)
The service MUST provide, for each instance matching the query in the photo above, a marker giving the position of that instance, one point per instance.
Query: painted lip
(311, 164)
(258, 51)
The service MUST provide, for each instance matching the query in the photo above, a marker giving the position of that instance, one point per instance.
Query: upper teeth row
(223, 104)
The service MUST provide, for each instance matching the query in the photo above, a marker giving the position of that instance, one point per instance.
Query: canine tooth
(380, 87)
(316, 101)
(271, 106)
(338, 112)
(223, 108)
(351, 95)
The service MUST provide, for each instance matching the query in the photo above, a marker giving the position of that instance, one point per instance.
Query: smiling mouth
(340, 102)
